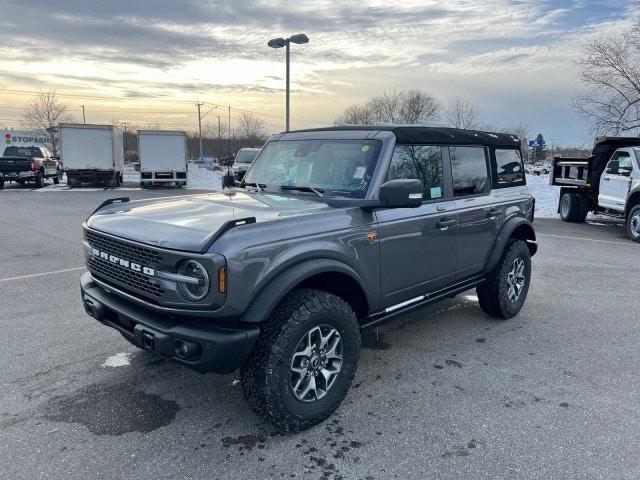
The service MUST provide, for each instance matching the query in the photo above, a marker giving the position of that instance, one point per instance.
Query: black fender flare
(506, 232)
(275, 290)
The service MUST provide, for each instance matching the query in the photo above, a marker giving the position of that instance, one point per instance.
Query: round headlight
(195, 290)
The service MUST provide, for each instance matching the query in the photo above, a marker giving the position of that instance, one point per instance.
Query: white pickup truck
(606, 183)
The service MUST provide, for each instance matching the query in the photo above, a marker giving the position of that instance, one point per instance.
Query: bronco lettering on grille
(136, 267)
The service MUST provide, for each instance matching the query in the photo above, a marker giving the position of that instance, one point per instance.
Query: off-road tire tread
(259, 374)
(492, 295)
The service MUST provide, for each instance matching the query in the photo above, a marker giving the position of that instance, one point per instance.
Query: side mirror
(612, 168)
(401, 193)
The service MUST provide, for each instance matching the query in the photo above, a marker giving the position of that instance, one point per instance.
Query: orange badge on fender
(372, 236)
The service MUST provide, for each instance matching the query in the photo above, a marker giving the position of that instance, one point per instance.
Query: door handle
(445, 223)
(606, 179)
(493, 212)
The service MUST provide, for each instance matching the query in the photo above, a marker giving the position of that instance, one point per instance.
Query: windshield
(246, 156)
(336, 167)
(22, 152)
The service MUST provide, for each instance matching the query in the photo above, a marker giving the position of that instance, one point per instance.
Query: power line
(213, 105)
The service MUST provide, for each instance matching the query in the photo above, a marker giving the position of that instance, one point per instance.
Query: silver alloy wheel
(634, 225)
(516, 280)
(564, 206)
(316, 363)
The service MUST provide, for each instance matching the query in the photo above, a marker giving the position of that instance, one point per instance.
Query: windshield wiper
(259, 186)
(318, 192)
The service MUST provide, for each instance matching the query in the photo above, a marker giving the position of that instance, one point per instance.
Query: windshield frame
(386, 138)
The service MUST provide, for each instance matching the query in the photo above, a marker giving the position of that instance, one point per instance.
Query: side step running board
(393, 311)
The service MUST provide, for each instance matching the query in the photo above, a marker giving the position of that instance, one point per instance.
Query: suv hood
(189, 222)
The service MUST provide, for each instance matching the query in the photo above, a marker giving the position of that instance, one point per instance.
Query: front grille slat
(121, 276)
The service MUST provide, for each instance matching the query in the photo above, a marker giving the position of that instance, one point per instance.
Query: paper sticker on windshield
(365, 148)
(360, 171)
(436, 192)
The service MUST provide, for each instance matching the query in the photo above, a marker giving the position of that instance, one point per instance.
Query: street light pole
(286, 42)
(288, 70)
(83, 118)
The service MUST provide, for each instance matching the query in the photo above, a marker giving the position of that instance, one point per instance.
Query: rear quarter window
(508, 170)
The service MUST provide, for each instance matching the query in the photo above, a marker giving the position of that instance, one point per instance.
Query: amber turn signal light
(222, 279)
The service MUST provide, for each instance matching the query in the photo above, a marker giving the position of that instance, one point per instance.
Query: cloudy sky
(147, 62)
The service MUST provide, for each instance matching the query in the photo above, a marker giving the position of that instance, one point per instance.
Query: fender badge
(372, 236)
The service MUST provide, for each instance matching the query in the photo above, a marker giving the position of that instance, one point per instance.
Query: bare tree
(418, 107)
(462, 113)
(43, 114)
(356, 115)
(393, 106)
(252, 129)
(610, 72)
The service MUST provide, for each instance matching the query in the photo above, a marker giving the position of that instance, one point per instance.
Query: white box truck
(91, 154)
(163, 157)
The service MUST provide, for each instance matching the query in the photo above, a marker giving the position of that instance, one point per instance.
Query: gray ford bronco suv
(331, 231)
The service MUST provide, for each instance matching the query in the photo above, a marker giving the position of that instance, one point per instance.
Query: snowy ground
(198, 178)
(547, 196)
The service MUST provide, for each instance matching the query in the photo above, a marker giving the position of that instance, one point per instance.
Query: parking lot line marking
(32, 275)
(585, 239)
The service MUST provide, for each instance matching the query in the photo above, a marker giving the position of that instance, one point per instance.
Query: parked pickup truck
(330, 232)
(26, 164)
(606, 183)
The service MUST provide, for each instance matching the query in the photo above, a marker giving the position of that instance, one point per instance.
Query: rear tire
(39, 179)
(57, 178)
(298, 345)
(1, 182)
(573, 208)
(633, 224)
(505, 291)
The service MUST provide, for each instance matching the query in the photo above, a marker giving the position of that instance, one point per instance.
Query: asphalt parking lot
(441, 393)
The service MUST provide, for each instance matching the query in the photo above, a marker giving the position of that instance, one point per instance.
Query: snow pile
(117, 360)
(203, 179)
(547, 196)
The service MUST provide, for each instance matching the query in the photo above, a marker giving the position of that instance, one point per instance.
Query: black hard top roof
(433, 135)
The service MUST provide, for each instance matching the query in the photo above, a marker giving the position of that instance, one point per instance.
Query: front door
(418, 246)
(615, 181)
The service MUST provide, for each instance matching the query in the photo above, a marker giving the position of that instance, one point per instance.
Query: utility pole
(199, 104)
(219, 136)
(124, 139)
(229, 134)
(83, 118)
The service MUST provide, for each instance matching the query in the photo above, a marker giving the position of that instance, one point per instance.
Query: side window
(422, 162)
(469, 168)
(509, 170)
(624, 163)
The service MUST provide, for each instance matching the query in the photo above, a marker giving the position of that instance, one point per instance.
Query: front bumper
(218, 349)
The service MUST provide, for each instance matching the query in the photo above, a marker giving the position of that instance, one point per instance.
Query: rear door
(615, 181)
(477, 216)
(418, 245)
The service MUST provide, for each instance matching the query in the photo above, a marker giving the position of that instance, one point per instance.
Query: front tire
(505, 291)
(304, 361)
(633, 224)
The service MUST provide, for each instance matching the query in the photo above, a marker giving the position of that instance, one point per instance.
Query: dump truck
(606, 183)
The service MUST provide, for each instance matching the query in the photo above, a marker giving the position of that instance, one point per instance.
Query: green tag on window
(365, 148)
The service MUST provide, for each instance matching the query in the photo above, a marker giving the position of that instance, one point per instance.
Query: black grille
(122, 249)
(118, 275)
